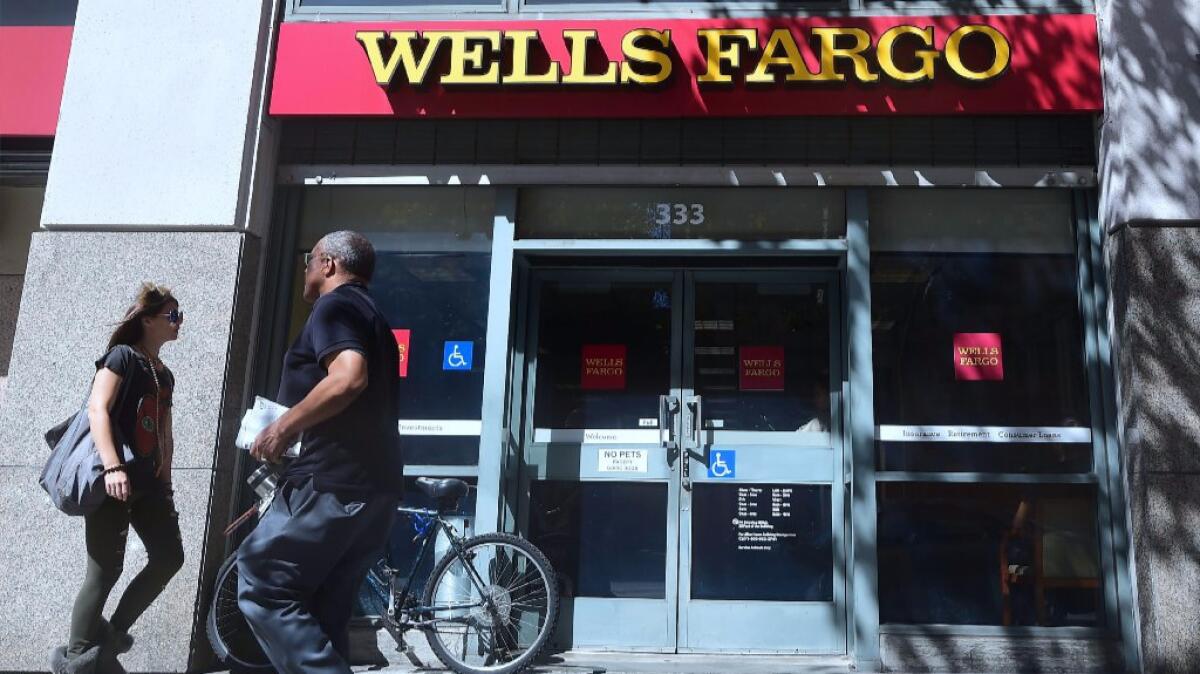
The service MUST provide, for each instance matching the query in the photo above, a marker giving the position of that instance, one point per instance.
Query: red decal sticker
(603, 367)
(978, 356)
(760, 368)
(403, 338)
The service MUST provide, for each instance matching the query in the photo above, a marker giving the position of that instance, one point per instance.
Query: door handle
(695, 426)
(694, 438)
(667, 405)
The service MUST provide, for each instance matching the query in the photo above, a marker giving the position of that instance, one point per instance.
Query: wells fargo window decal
(904, 53)
(682, 67)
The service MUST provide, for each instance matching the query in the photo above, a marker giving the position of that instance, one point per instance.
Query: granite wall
(1150, 209)
(66, 317)
(1156, 320)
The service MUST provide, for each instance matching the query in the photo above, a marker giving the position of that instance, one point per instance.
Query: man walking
(302, 565)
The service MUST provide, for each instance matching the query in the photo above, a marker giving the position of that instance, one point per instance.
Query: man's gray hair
(353, 252)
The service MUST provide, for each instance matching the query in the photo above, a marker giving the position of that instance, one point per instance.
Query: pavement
(585, 662)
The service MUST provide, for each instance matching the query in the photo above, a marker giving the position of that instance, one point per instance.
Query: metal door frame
(802, 472)
(681, 279)
(631, 616)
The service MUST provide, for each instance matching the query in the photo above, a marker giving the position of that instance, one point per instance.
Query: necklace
(154, 363)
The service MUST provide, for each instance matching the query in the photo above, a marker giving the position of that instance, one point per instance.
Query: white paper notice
(624, 461)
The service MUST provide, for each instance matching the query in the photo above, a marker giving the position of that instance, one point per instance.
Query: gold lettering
(781, 38)
(721, 47)
(577, 42)
(830, 53)
(466, 50)
(954, 53)
(385, 71)
(885, 53)
(520, 60)
(635, 54)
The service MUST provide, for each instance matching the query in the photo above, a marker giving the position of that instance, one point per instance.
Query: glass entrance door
(683, 458)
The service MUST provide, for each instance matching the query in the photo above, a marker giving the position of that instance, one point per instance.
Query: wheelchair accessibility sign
(457, 355)
(722, 463)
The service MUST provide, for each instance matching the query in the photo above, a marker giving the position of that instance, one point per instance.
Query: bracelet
(113, 469)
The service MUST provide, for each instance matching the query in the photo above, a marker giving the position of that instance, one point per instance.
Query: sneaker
(58, 660)
(84, 663)
(118, 642)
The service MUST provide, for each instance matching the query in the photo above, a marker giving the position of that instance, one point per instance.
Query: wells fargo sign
(475, 56)
(680, 68)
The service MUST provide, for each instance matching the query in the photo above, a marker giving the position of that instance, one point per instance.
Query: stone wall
(213, 275)
(1150, 208)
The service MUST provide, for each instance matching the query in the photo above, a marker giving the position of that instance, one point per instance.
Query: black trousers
(153, 516)
(300, 569)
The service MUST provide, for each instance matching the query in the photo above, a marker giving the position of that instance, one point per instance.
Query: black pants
(300, 569)
(153, 516)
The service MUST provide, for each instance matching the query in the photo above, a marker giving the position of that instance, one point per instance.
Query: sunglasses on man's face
(308, 258)
(174, 317)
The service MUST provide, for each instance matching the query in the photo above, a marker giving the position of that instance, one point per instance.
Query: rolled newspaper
(262, 414)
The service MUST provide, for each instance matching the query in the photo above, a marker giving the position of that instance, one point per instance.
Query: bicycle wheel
(474, 638)
(228, 632)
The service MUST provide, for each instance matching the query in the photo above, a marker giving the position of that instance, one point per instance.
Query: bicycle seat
(445, 490)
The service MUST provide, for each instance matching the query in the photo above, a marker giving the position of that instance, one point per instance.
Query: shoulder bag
(74, 473)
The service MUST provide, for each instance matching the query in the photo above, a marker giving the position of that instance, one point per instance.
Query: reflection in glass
(438, 298)
(765, 542)
(604, 539)
(989, 554)
(762, 356)
(432, 274)
(623, 330)
(920, 301)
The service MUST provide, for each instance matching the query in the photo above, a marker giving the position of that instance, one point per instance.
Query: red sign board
(760, 368)
(603, 367)
(660, 67)
(403, 340)
(978, 356)
(33, 67)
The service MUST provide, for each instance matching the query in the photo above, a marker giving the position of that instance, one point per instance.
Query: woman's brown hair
(150, 301)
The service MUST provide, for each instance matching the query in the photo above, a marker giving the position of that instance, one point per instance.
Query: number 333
(678, 214)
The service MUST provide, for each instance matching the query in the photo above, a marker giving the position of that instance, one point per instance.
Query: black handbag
(74, 474)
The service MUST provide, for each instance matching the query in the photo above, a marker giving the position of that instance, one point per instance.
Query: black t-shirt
(358, 449)
(141, 411)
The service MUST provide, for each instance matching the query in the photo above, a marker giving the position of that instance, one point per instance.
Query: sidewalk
(585, 662)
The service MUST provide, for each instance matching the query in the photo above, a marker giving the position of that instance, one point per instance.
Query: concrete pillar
(162, 170)
(1150, 209)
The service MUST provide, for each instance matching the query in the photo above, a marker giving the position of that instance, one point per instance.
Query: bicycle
(498, 586)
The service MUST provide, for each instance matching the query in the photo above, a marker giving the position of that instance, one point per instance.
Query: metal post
(860, 411)
(495, 369)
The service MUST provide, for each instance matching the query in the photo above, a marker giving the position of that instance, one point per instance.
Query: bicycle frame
(399, 614)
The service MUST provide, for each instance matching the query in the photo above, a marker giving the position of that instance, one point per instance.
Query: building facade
(859, 330)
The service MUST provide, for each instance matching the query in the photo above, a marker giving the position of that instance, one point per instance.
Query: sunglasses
(308, 258)
(174, 317)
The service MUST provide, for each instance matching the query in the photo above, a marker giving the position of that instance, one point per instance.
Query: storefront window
(979, 371)
(989, 554)
(433, 263)
(978, 341)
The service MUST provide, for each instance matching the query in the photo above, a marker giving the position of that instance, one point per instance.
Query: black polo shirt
(357, 450)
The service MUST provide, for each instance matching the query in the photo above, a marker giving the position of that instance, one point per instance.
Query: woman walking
(139, 490)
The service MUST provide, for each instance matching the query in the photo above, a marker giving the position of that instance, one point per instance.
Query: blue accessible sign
(457, 356)
(722, 463)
